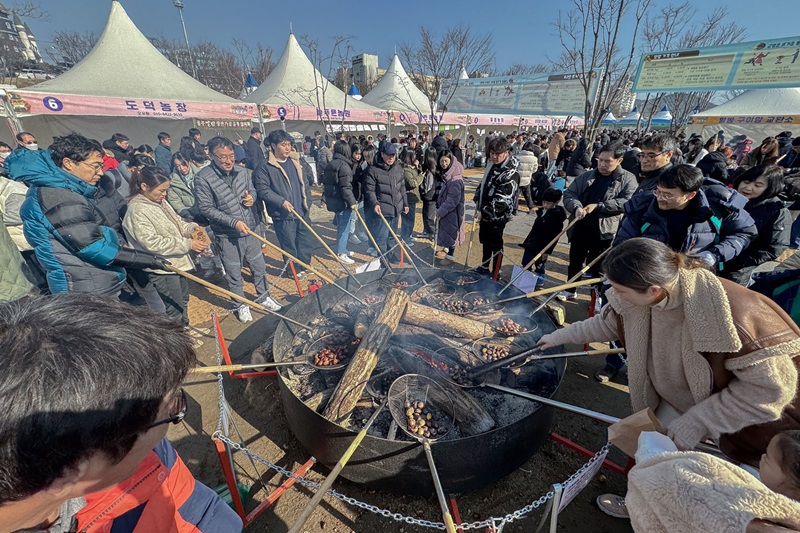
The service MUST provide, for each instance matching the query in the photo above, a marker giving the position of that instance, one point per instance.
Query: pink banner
(274, 112)
(68, 104)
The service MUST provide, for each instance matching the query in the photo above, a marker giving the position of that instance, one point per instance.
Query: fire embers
(421, 421)
(331, 356)
(493, 352)
(509, 327)
(372, 299)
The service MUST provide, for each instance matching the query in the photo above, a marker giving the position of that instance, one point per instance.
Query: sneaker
(354, 239)
(424, 235)
(344, 258)
(267, 301)
(441, 254)
(372, 251)
(567, 295)
(483, 271)
(613, 505)
(606, 374)
(447, 260)
(243, 314)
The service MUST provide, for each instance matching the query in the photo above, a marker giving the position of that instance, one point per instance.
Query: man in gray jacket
(225, 196)
(596, 198)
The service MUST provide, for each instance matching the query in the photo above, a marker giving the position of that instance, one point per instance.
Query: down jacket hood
(36, 169)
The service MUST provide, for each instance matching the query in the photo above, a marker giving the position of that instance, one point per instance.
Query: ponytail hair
(643, 263)
(150, 175)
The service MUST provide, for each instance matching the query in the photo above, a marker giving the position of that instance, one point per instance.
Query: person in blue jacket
(75, 244)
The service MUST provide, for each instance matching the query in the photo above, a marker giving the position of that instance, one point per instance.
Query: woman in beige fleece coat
(711, 358)
(151, 224)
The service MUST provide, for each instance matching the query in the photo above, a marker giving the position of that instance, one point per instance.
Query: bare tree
(30, 10)
(73, 46)
(432, 60)
(216, 67)
(256, 60)
(590, 36)
(326, 66)
(677, 26)
(520, 69)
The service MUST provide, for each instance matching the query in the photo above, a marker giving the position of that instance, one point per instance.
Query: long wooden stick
(542, 292)
(374, 242)
(234, 296)
(233, 368)
(573, 278)
(328, 248)
(471, 236)
(403, 246)
(537, 256)
(316, 272)
(335, 471)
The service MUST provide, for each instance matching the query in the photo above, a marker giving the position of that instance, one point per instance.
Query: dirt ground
(261, 423)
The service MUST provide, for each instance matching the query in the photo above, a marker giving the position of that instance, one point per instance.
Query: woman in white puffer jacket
(528, 165)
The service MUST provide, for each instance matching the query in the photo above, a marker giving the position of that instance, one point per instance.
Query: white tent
(757, 113)
(123, 65)
(662, 118)
(609, 118)
(294, 82)
(396, 92)
(631, 118)
(463, 75)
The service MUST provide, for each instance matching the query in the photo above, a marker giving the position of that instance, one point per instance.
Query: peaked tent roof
(463, 75)
(396, 91)
(662, 117)
(758, 102)
(148, 75)
(293, 80)
(609, 118)
(633, 116)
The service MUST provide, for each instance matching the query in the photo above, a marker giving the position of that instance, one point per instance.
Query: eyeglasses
(224, 157)
(663, 196)
(182, 405)
(97, 167)
(651, 155)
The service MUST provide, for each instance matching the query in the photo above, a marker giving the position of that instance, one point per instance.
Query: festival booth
(757, 113)
(294, 90)
(140, 96)
(631, 119)
(662, 119)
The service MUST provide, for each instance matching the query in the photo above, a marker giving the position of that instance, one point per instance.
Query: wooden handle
(233, 296)
(275, 247)
(324, 244)
(559, 288)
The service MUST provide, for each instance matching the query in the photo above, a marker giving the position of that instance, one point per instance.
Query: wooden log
(348, 391)
(365, 317)
(445, 323)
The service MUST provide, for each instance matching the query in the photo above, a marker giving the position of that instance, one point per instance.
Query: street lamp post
(179, 4)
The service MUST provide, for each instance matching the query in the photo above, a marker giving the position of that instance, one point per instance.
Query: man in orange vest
(89, 387)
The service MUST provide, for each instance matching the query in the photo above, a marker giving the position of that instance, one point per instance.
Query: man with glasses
(654, 159)
(73, 242)
(385, 196)
(225, 196)
(596, 198)
(86, 450)
(282, 185)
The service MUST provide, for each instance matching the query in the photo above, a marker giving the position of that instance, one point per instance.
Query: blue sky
(522, 31)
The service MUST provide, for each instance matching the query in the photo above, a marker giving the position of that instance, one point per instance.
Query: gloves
(138, 259)
(709, 258)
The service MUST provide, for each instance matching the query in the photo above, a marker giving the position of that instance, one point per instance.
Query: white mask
(3, 155)
(33, 146)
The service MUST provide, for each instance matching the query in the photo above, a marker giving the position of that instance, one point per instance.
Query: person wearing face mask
(72, 241)
(26, 141)
(5, 151)
(710, 358)
(761, 185)
(152, 225)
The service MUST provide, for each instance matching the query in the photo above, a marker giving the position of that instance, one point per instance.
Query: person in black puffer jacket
(581, 159)
(715, 166)
(384, 195)
(337, 180)
(761, 185)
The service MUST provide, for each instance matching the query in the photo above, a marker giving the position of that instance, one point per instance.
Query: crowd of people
(683, 223)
